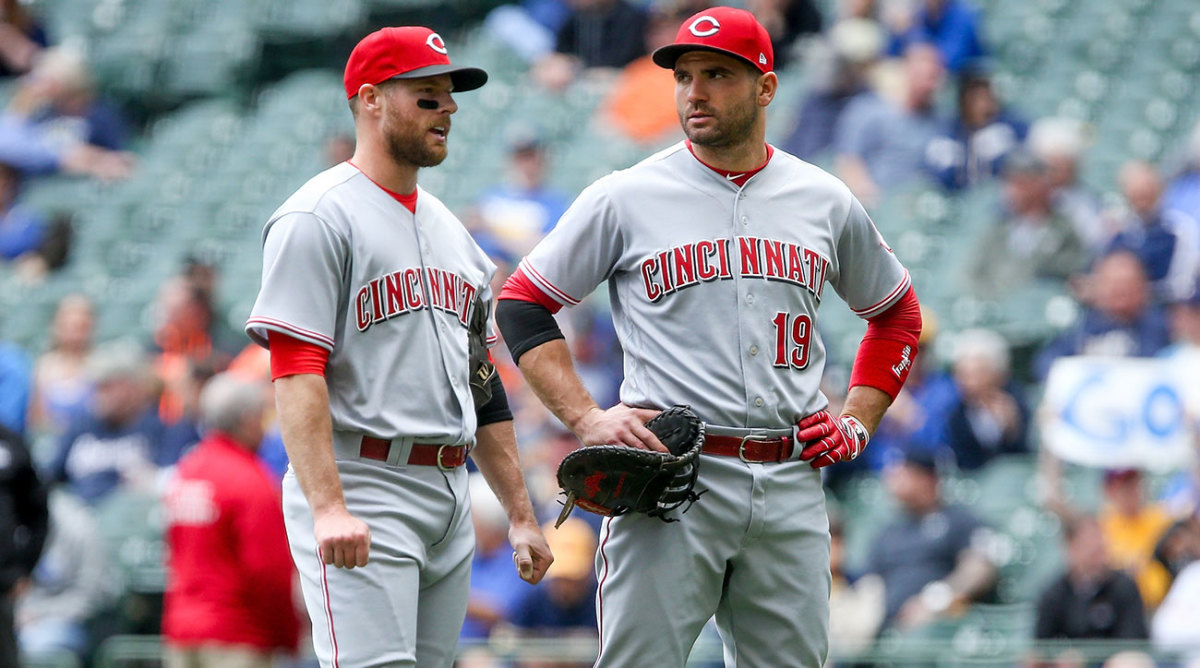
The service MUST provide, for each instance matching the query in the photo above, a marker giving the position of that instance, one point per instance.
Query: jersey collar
(409, 201)
(738, 179)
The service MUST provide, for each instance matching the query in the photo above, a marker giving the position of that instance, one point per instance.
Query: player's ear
(370, 98)
(767, 85)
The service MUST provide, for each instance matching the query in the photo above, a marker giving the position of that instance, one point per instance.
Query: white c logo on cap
(695, 29)
(435, 42)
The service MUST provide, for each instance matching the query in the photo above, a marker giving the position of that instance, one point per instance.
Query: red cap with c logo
(727, 30)
(408, 52)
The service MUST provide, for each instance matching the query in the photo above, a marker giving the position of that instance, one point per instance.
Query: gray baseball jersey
(388, 292)
(714, 291)
(715, 288)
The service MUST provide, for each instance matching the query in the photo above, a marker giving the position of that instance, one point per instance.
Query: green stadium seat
(132, 526)
(130, 651)
(55, 659)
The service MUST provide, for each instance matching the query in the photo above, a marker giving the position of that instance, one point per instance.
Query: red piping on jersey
(600, 590)
(291, 356)
(328, 607)
(742, 178)
(409, 201)
(889, 348)
(550, 287)
(905, 283)
(519, 287)
(300, 332)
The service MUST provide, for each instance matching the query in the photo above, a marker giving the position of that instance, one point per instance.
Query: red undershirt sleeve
(291, 356)
(889, 348)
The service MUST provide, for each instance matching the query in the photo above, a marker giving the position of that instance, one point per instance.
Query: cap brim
(463, 78)
(665, 56)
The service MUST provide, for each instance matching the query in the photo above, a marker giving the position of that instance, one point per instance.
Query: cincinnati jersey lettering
(690, 264)
(408, 290)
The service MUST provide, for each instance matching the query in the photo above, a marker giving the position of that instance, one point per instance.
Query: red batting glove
(829, 440)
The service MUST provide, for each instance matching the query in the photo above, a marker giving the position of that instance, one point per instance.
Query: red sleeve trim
(889, 348)
(291, 356)
(545, 284)
(519, 287)
(271, 324)
(873, 310)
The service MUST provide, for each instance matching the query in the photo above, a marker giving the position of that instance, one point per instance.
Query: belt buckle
(742, 447)
(440, 465)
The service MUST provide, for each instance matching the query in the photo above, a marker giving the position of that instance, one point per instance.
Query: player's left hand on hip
(531, 553)
(828, 440)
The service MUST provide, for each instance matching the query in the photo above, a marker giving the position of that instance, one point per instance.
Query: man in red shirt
(229, 600)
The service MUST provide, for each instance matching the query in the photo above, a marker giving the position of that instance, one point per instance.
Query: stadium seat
(130, 651)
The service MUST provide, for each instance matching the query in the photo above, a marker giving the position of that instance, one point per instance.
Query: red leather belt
(422, 454)
(750, 450)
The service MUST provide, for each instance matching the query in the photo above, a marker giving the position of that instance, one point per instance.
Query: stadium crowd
(897, 96)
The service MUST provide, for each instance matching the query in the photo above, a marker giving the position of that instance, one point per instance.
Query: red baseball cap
(408, 52)
(725, 30)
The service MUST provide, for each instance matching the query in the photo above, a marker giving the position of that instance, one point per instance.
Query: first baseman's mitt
(481, 365)
(615, 479)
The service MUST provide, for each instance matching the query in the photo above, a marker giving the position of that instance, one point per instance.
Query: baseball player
(717, 252)
(369, 284)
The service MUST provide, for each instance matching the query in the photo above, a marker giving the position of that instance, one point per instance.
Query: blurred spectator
(603, 33)
(841, 64)
(117, 441)
(230, 596)
(519, 212)
(933, 559)
(1132, 528)
(54, 123)
(595, 34)
(1059, 143)
(60, 384)
(880, 141)
(528, 27)
(1179, 545)
(972, 149)
(1183, 191)
(855, 603)
(21, 38)
(1174, 626)
(186, 336)
(951, 25)
(641, 103)
(1091, 600)
(15, 382)
(1119, 321)
(70, 585)
(991, 417)
(786, 21)
(1166, 241)
(858, 9)
(204, 275)
(495, 586)
(25, 519)
(22, 229)
(338, 148)
(1031, 239)
(565, 605)
(31, 243)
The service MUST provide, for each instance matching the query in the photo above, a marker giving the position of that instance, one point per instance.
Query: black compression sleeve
(525, 326)
(496, 409)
